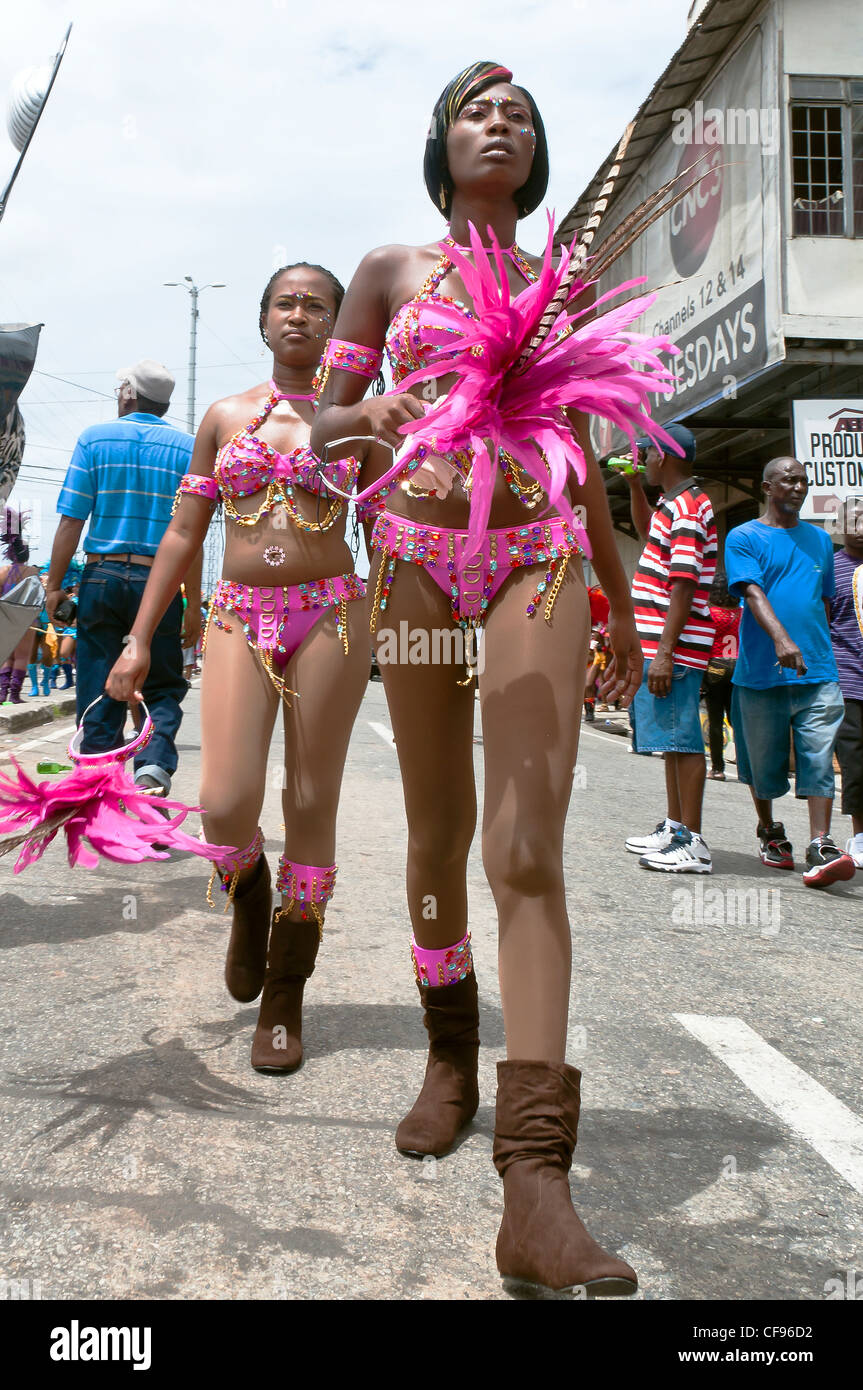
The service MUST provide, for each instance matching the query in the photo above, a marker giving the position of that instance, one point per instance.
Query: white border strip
(804, 1105)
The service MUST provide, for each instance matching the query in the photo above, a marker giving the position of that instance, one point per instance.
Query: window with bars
(827, 157)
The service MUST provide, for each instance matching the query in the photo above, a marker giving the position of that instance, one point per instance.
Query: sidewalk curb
(42, 709)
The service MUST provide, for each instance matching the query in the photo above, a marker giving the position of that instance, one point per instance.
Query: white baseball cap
(149, 379)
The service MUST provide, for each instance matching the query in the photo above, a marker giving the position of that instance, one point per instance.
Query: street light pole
(187, 283)
(193, 346)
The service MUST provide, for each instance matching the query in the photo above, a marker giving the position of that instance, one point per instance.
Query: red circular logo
(693, 220)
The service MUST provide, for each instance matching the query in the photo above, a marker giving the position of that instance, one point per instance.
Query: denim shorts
(765, 721)
(668, 723)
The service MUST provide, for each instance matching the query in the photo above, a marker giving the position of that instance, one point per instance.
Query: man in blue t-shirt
(785, 680)
(123, 476)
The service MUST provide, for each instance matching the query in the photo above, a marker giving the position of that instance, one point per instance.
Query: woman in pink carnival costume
(287, 628)
(480, 523)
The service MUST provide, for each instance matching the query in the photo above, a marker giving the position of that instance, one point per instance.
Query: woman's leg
(531, 691)
(715, 700)
(531, 694)
(238, 710)
(432, 718)
(330, 685)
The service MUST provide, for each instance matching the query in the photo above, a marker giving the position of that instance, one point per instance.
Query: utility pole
(193, 348)
(187, 283)
(214, 541)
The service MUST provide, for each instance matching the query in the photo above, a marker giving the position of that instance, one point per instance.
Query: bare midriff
(308, 554)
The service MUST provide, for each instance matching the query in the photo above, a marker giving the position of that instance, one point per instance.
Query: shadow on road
(99, 914)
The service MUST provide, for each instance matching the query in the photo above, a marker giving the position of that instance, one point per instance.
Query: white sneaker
(854, 847)
(687, 853)
(646, 844)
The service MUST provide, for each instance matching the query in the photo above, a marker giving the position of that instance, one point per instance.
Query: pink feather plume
(598, 368)
(103, 814)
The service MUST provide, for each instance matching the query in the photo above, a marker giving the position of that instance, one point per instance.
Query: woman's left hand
(622, 675)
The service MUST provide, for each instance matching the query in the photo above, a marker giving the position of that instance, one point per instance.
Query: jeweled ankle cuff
(228, 870)
(444, 967)
(306, 886)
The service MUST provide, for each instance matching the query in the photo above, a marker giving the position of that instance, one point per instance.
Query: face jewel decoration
(274, 555)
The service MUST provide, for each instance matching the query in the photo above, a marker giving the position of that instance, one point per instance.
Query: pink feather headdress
(100, 809)
(514, 394)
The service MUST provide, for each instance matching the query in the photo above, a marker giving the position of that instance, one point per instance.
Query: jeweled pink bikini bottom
(276, 621)
(471, 589)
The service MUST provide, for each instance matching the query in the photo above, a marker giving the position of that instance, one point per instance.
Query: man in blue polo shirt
(123, 476)
(785, 680)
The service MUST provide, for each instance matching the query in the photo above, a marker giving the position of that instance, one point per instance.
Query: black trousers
(717, 698)
(849, 751)
(108, 601)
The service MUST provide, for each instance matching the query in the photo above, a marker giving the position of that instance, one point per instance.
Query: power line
(202, 367)
(92, 389)
(224, 344)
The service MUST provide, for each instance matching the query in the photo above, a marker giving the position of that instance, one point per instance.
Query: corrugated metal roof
(714, 31)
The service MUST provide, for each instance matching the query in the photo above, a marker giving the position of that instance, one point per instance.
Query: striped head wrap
(466, 85)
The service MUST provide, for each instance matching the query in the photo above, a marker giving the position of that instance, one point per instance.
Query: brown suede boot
(246, 960)
(278, 1042)
(449, 1095)
(542, 1242)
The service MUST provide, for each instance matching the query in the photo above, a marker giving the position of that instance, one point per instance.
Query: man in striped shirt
(123, 476)
(670, 595)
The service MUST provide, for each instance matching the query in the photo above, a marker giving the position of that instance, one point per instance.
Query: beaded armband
(307, 887)
(346, 357)
(444, 967)
(196, 485)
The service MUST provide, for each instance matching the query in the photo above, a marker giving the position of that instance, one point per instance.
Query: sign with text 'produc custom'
(828, 441)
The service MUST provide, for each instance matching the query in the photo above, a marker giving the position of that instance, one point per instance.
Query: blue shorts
(668, 723)
(764, 723)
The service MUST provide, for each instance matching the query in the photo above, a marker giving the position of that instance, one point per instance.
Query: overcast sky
(218, 140)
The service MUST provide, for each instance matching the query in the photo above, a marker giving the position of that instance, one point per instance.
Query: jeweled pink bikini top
(248, 464)
(416, 335)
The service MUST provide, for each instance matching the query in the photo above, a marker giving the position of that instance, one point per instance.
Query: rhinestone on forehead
(495, 101)
(300, 295)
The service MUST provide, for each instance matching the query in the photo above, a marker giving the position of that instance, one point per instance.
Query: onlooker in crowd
(785, 680)
(16, 550)
(597, 660)
(846, 634)
(123, 475)
(670, 595)
(725, 613)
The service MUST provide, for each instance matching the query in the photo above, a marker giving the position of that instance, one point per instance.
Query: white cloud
(199, 139)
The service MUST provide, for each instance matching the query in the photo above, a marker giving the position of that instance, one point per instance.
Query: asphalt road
(142, 1157)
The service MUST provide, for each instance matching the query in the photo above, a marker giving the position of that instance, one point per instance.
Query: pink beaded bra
(248, 464)
(416, 336)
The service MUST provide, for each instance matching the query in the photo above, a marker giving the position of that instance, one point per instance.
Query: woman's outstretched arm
(363, 318)
(177, 556)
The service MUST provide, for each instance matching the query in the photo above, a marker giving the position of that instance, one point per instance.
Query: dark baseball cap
(681, 435)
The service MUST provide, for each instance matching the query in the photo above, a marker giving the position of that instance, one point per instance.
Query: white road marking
(606, 738)
(46, 738)
(383, 732)
(804, 1105)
